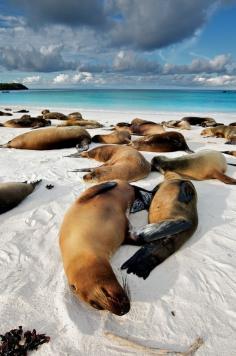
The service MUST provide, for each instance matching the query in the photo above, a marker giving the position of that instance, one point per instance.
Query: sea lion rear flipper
(224, 178)
(143, 199)
(143, 261)
(162, 230)
(97, 189)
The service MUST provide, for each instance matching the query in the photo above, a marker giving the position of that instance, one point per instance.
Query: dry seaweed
(18, 343)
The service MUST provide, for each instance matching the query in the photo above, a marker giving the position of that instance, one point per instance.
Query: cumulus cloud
(222, 80)
(31, 80)
(129, 61)
(61, 78)
(219, 64)
(32, 60)
(144, 25)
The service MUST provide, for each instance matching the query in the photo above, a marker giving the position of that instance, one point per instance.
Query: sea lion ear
(143, 199)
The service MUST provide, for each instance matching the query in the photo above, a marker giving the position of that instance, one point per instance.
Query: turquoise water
(143, 100)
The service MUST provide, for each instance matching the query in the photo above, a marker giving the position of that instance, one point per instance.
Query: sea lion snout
(116, 299)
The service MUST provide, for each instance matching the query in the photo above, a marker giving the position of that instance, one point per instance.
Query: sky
(118, 43)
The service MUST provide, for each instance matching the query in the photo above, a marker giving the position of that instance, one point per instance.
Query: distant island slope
(12, 86)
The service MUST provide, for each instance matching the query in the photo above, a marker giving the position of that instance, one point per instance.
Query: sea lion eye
(73, 287)
(95, 305)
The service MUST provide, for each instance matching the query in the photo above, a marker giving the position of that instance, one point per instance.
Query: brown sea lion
(140, 127)
(54, 116)
(179, 124)
(172, 220)
(87, 124)
(206, 164)
(166, 142)
(12, 193)
(75, 115)
(51, 138)
(44, 112)
(121, 162)
(200, 121)
(143, 127)
(228, 132)
(86, 249)
(232, 124)
(117, 137)
(27, 121)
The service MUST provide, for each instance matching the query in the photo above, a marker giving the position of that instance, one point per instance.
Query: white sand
(197, 283)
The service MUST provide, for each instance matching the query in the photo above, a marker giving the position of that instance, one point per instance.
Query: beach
(190, 295)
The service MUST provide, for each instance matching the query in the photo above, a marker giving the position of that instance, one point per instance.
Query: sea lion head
(96, 285)
(158, 164)
(207, 132)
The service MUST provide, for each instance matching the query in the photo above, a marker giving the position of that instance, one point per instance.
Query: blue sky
(118, 43)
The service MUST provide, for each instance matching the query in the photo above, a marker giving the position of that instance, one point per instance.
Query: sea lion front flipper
(162, 230)
(143, 261)
(97, 189)
(186, 192)
(143, 198)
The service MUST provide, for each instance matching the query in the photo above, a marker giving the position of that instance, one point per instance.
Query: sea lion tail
(97, 189)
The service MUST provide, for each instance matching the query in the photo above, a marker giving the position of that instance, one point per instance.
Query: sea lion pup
(44, 112)
(172, 220)
(54, 116)
(200, 121)
(51, 138)
(228, 132)
(86, 249)
(121, 162)
(206, 164)
(179, 124)
(117, 137)
(27, 121)
(166, 142)
(11, 194)
(87, 124)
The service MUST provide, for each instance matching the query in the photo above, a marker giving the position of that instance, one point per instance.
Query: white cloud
(61, 78)
(32, 79)
(222, 80)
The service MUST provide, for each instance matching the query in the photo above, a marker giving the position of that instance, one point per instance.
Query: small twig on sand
(154, 350)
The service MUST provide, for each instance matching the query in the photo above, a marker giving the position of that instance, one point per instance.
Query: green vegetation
(12, 86)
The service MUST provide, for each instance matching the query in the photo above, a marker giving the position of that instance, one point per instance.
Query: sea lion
(27, 121)
(54, 116)
(172, 220)
(75, 115)
(2, 113)
(51, 138)
(179, 124)
(206, 164)
(140, 127)
(143, 128)
(232, 123)
(166, 142)
(23, 111)
(117, 137)
(44, 112)
(228, 132)
(200, 121)
(87, 124)
(12, 193)
(232, 153)
(121, 162)
(87, 249)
